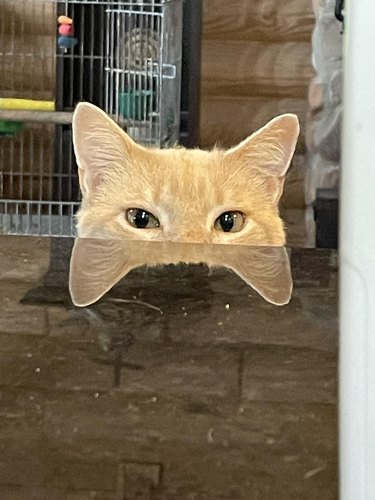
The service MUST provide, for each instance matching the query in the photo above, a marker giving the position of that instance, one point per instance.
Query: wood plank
(35, 17)
(238, 68)
(300, 374)
(263, 20)
(26, 163)
(27, 48)
(226, 121)
(27, 67)
(296, 231)
(294, 187)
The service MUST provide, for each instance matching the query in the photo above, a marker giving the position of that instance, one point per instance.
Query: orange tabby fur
(187, 190)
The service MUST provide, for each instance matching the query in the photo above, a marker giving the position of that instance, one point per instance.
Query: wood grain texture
(294, 188)
(264, 20)
(28, 150)
(247, 69)
(29, 77)
(31, 17)
(256, 64)
(227, 121)
(27, 47)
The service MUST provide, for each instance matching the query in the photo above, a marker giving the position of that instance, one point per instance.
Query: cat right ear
(268, 152)
(101, 147)
(96, 265)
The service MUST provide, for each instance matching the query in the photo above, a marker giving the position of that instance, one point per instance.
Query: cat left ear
(100, 146)
(269, 151)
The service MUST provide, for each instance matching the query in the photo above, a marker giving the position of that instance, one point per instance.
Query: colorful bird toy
(66, 39)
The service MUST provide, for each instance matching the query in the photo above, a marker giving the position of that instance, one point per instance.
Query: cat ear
(269, 151)
(96, 265)
(265, 269)
(100, 146)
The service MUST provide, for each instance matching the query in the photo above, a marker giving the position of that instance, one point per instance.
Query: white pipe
(357, 257)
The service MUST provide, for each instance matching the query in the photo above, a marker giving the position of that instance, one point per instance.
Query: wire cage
(123, 56)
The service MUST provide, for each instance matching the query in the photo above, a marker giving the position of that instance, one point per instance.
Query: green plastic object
(136, 104)
(9, 128)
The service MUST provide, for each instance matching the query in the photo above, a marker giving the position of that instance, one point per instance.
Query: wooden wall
(256, 63)
(27, 47)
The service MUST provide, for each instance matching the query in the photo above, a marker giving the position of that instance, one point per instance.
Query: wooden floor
(209, 394)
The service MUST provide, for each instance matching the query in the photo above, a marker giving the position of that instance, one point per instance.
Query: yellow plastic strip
(26, 104)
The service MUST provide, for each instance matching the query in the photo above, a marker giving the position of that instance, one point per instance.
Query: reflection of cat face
(177, 194)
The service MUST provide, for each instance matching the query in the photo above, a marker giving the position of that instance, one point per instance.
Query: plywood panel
(290, 20)
(26, 163)
(294, 187)
(227, 121)
(28, 67)
(27, 47)
(37, 17)
(238, 68)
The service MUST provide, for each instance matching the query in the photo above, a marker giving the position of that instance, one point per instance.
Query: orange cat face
(150, 206)
(181, 195)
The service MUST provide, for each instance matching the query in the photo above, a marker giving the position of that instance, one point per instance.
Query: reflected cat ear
(269, 151)
(100, 146)
(95, 267)
(265, 269)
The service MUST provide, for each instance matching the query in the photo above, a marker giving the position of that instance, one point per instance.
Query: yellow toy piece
(26, 104)
(64, 20)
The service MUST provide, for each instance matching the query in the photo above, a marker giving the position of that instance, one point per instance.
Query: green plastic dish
(136, 104)
(10, 128)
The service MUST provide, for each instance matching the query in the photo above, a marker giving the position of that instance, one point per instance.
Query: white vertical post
(357, 257)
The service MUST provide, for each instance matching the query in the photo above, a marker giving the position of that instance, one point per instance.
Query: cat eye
(230, 222)
(141, 219)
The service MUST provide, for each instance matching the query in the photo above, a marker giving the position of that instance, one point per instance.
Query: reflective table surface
(180, 383)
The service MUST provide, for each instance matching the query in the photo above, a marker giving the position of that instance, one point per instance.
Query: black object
(339, 8)
(191, 73)
(326, 218)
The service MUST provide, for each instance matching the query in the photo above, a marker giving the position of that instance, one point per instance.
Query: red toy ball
(66, 30)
